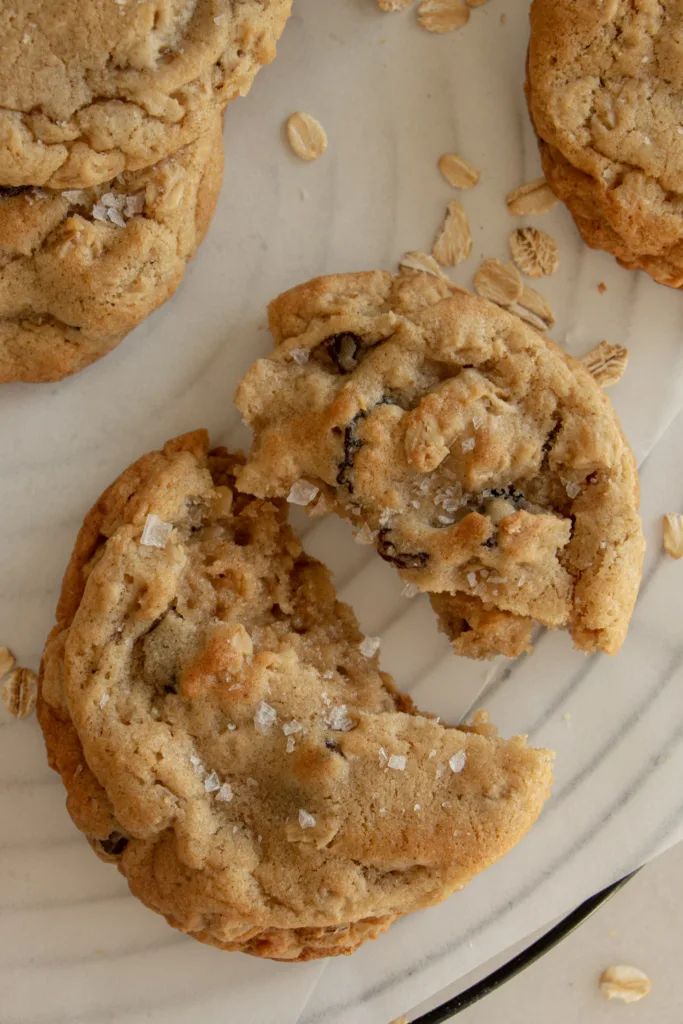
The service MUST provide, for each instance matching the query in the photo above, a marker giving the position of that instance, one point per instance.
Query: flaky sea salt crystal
(369, 646)
(456, 762)
(212, 782)
(468, 444)
(77, 196)
(306, 820)
(155, 532)
(115, 216)
(196, 763)
(397, 762)
(450, 505)
(440, 770)
(300, 355)
(478, 422)
(472, 579)
(265, 717)
(290, 744)
(445, 520)
(99, 212)
(291, 727)
(104, 700)
(338, 719)
(383, 757)
(231, 726)
(302, 493)
(364, 535)
(410, 590)
(432, 753)
(573, 490)
(225, 793)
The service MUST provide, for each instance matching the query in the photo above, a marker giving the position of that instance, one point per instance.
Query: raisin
(343, 350)
(114, 844)
(401, 559)
(7, 191)
(351, 445)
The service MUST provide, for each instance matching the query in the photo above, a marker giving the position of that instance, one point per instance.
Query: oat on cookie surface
(222, 736)
(88, 90)
(604, 85)
(80, 268)
(487, 464)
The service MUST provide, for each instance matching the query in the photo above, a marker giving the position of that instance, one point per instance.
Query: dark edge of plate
(521, 961)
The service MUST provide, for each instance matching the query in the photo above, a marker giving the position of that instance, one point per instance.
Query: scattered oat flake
(535, 253)
(306, 820)
(534, 309)
(338, 719)
(606, 363)
(397, 762)
(442, 15)
(534, 197)
(265, 717)
(19, 692)
(369, 646)
(393, 5)
(224, 794)
(422, 262)
(302, 493)
(624, 982)
(498, 282)
(155, 532)
(456, 762)
(7, 661)
(454, 241)
(306, 136)
(673, 534)
(457, 171)
(300, 355)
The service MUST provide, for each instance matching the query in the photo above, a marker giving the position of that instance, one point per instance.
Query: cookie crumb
(533, 197)
(369, 646)
(454, 242)
(442, 15)
(19, 692)
(534, 252)
(624, 982)
(457, 171)
(265, 717)
(456, 762)
(302, 493)
(306, 136)
(155, 532)
(306, 820)
(606, 363)
(673, 534)
(602, 287)
(397, 762)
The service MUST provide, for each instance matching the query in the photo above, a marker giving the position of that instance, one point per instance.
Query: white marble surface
(393, 98)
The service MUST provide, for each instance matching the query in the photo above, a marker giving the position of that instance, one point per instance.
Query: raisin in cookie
(488, 465)
(89, 90)
(605, 86)
(79, 269)
(223, 737)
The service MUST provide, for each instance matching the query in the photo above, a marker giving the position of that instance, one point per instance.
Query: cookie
(485, 464)
(80, 268)
(90, 90)
(226, 737)
(603, 86)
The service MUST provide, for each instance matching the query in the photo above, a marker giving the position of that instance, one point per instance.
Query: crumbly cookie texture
(88, 91)
(486, 463)
(80, 268)
(223, 738)
(605, 85)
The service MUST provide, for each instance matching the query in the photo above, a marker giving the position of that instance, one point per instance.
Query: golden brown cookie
(81, 268)
(226, 737)
(485, 463)
(605, 85)
(90, 90)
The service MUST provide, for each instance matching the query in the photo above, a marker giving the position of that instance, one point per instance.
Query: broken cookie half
(485, 464)
(223, 737)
